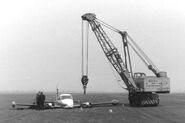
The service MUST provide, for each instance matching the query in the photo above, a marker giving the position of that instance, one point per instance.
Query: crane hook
(84, 81)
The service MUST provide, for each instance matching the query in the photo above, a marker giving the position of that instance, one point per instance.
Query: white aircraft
(62, 101)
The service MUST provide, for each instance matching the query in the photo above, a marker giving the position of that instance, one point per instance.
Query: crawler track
(143, 99)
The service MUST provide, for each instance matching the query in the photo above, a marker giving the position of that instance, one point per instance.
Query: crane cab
(152, 83)
(139, 75)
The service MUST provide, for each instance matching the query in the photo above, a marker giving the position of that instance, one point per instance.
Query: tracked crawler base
(143, 99)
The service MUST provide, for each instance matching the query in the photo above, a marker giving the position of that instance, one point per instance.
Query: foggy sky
(40, 42)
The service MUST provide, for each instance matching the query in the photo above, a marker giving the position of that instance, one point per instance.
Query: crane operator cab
(158, 84)
(139, 75)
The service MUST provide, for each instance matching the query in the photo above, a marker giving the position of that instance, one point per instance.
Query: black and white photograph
(92, 61)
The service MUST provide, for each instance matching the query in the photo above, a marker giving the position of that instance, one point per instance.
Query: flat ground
(170, 110)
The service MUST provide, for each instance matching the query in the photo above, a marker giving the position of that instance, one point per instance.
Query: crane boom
(110, 51)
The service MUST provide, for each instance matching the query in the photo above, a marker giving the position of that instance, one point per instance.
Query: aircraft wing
(55, 105)
(89, 104)
(23, 104)
(47, 105)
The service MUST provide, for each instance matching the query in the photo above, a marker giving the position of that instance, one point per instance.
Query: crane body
(142, 89)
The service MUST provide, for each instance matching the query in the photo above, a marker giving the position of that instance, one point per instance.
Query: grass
(170, 110)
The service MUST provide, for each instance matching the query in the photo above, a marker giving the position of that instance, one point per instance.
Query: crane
(142, 90)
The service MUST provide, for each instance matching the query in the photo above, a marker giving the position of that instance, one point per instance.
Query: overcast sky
(40, 42)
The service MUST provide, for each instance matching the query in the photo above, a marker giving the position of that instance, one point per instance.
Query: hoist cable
(141, 51)
(84, 78)
(138, 53)
(85, 63)
(87, 47)
(82, 49)
(135, 44)
(108, 26)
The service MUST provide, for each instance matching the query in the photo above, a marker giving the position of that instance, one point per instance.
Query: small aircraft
(64, 101)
